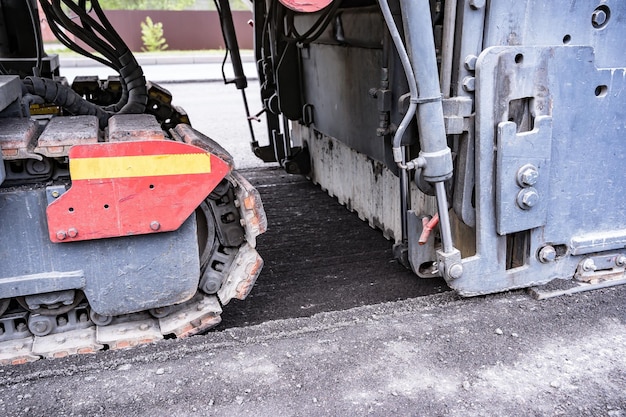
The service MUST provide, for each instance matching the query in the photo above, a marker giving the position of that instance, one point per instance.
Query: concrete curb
(165, 68)
(155, 59)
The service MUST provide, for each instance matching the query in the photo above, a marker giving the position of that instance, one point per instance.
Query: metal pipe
(447, 46)
(444, 218)
(398, 154)
(249, 119)
(420, 40)
(404, 199)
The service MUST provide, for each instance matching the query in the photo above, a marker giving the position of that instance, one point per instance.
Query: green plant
(152, 36)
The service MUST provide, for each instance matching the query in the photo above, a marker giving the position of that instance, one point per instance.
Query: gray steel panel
(41, 283)
(542, 23)
(121, 274)
(337, 81)
(10, 90)
(586, 160)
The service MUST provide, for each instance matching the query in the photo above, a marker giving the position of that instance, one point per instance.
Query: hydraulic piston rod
(435, 153)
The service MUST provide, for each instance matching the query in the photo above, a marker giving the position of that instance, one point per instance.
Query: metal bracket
(595, 269)
(456, 115)
(522, 205)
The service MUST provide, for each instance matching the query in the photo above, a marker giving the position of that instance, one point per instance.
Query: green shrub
(152, 36)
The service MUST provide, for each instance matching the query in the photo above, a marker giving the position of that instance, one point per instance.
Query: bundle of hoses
(53, 92)
(94, 30)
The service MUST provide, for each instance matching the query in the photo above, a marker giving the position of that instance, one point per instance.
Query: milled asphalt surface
(500, 355)
(439, 355)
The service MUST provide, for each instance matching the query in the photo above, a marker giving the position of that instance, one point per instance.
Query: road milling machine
(485, 138)
(120, 224)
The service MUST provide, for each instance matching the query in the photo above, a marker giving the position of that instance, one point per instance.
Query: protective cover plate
(132, 188)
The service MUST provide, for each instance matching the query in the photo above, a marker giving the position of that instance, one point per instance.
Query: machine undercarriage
(120, 223)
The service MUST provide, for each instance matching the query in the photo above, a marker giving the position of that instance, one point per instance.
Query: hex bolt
(477, 4)
(598, 18)
(589, 265)
(620, 260)
(527, 198)
(55, 194)
(547, 254)
(527, 175)
(72, 232)
(455, 271)
(469, 84)
(61, 235)
(470, 62)
(154, 225)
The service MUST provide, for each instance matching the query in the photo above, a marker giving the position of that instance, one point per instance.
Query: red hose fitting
(428, 226)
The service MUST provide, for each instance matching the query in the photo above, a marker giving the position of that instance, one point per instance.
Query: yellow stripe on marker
(139, 166)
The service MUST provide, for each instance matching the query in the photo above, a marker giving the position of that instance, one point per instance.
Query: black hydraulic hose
(87, 36)
(100, 35)
(54, 92)
(135, 83)
(232, 46)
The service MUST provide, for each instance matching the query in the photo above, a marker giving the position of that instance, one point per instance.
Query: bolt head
(469, 84)
(589, 265)
(455, 271)
(154, 225)
(470, 62)
(527, 198)
(72, 232)
(547, 254)
(55, 194)
(61, 235)
(527, 176)
(598, 18)
(620, 260)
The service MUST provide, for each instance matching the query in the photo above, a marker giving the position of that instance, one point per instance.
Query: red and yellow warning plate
(132, 188)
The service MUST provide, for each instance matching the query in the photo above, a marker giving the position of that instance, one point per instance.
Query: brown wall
(182, 30)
